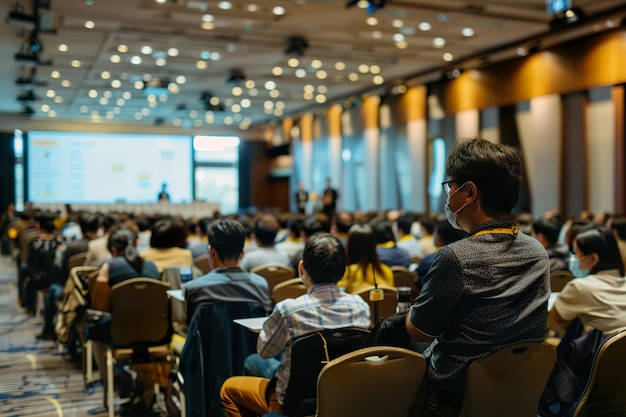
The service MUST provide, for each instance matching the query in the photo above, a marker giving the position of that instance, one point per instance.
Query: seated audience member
(89, 228)
(406, 241)
(574, 226)
(311, 227)
(124, 264)
(199, 246)
(167, 244)
(97, 251)
(386, 248)
(363, 263)
(343, 223)
(586, 312)
(293, 243)
(444, 235)
(265, 229)
(247, 224)
(226, 240)
(323, 307)
(427, 228)
(525, 223)
(143, 239)
(599, 300)
(547, 230)
(44, 272)
(618, 227)
(483, 292)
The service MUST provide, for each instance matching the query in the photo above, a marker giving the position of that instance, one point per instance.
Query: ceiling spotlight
(211, 103)
(27, 97)
(296, 45)
(567, 17)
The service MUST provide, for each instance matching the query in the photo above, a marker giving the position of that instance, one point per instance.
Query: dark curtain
(7, 171)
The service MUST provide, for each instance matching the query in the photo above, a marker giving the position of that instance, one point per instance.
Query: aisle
(35, 379)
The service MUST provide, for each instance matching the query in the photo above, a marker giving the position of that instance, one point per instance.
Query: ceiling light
(320, 98)
(107, 94)
(439, 42)
(300, 73)
(277, 71)
(363, 68)
(398, 37)
(225, 5)
(163, 97)
(270, 85)
(397, 23)
(521, 51)
(207, 25)
(245, 103)
(278, 11)
(160, 62)
(322, 89)
(116, 83)
(84, 109)
(110, 115)
(353, 76)
(402, 45)
(138, 85)
(293, 62)
(120, 101)
(116, 59)
(321, 74)
(340, 66)
(235, 108)
(50, 93)
(309, 88)
(372, 21)
(127, 95)
(161, 1)
(90, 24)
(375, 69)
(181, 79)
(117, 110)
(467, 32)
(58, 99)
(63, 48)
(52, 113)
(448, 57)
(274, 93)
(377, 34)
(250, 84)
(207, 18)
(104, 101)
(75, 63)
(252, 7)
(253, 92)
(307, 96)
(316, 63)
(66, 83)
(45, 108)
(278, 112)
(146, 49)
(93, 93)
(55, 74)
(135, 60)
(378, 80)
(237, 91)
(424, 26)
(122, 49)
(172, 52)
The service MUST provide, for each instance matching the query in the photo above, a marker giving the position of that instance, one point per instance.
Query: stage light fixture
(18, 18)
(371, 5)
(236, 76)
(296, 45)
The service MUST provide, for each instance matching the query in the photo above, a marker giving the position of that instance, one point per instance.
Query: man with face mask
(486, 291)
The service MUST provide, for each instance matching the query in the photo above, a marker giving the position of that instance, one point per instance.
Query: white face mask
(452, 215)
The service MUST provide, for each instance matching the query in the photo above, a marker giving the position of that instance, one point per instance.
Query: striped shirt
(323, 307)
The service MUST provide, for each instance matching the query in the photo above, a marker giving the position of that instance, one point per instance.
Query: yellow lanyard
(502, 230)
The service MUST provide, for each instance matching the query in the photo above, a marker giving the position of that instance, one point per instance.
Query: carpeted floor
(35, 378)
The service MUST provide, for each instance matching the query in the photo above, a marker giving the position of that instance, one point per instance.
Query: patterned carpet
(36, 380)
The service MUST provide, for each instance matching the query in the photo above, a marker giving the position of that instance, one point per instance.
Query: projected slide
(98, 168)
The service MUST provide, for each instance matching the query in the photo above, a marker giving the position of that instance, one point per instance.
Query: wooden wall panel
(619, 101)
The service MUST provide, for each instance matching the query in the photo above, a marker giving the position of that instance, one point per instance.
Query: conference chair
(309, 354)
(509, 382)
(172, 275)
(402, 277)
(274, 273)
(370, 382)
(202, 263)
(76, 260)
(141, 329)
(558, 279)
(292, 288)
(385, 307)
(604, 394)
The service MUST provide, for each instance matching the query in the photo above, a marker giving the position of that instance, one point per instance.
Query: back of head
(427, 222)
(227, 237)
(45, 220)
(496, 170)
(123, 241)
(168, 233)
(382, 230)
(618, 223)
(600, 240)
(265, 229)
(312, 226)
(295, 225)
(324, 258)
(405, 222)
(361, 245)
(550, 227)
(344, 222)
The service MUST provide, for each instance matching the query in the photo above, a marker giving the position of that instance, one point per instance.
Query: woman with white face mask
(598, 296)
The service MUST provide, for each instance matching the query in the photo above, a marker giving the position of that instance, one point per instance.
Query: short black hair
(382, 230)
(227, 237)
(168, 232)
(324, 258)
(312, 226)
(600, 240)
(446, 232)
(550, 227)
(265, 229)
(496, 170)
(618, 223)
(405, 223)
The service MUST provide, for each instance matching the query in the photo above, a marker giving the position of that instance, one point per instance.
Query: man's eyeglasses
(446, 185)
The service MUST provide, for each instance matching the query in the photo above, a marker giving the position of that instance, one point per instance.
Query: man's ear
(301, 268)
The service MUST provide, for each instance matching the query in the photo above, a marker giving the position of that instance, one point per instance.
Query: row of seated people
(227, 275)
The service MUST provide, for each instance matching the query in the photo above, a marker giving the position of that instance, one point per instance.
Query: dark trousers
(432, 402)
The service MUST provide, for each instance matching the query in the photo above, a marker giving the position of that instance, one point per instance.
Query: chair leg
(39, 303)
(89, 363)
(109, 383)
